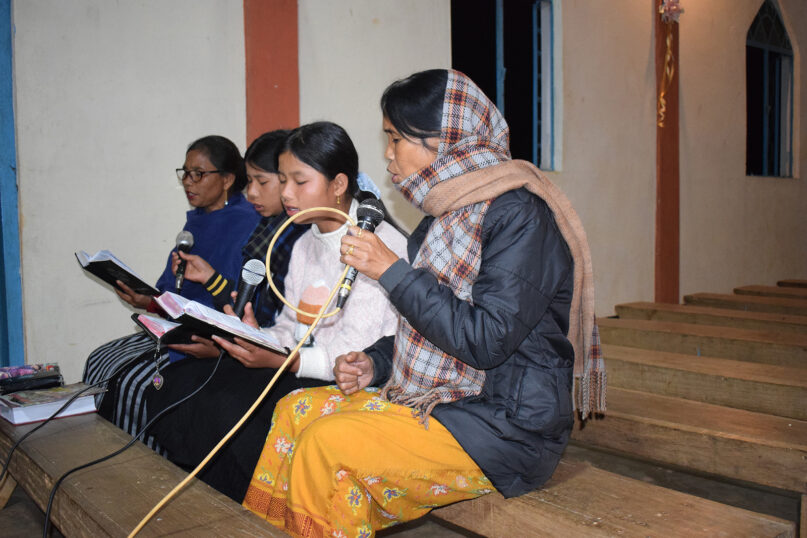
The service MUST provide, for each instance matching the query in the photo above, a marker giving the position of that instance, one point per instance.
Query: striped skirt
(131, 363)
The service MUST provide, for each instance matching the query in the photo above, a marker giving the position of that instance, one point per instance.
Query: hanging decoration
(670, 11)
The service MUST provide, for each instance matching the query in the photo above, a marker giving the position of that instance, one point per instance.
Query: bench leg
(803, 517)
(6, 489)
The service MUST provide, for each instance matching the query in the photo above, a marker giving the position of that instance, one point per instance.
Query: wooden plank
(765, 388)
(581, 500)
(783, 349)
(753, 303)
(704, 315)
(6, 489)
(792, 283)
(773, 291)
(733, 443)
(109, 499)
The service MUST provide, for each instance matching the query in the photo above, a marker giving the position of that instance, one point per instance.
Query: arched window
(769, 95)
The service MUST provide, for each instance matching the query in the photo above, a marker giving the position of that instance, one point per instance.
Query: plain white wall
(108, 96)
(609, 141)
(349, 52)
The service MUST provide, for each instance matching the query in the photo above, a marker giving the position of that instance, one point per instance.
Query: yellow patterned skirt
(336, 465)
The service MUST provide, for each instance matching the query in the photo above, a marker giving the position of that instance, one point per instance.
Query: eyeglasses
(195, 175)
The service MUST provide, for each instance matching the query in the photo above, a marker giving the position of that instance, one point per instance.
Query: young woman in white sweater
(318, 167)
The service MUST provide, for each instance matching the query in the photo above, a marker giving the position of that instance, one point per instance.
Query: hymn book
(110, 269)
(28, 406)
(189, 318)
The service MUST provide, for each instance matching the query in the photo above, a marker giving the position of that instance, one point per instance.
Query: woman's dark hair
(414, 105)
(263, 151)
(225, 157)
(327, 148)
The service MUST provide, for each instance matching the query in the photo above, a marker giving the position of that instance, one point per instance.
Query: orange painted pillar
(667, 252)
(272, 70)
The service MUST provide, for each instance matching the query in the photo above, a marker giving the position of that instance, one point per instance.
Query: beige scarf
(486, 184)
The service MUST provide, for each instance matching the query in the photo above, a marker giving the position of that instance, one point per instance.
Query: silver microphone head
(253, 272)
(184, 241)
(371, 209)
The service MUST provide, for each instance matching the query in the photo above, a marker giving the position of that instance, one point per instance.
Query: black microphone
(370, 214)
(251, 276)
(184, 244)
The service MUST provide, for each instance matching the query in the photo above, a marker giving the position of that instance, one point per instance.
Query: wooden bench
(734, 443)
(580, 500)
(704, 315)
(764, 388)
(111, 498)
(783, 349)
(753, 303)
(773, 291)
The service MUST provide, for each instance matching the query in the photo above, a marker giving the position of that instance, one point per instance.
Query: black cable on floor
(56, 414)
(53, 490)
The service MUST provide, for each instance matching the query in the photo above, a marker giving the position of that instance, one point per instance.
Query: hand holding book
(191, 318)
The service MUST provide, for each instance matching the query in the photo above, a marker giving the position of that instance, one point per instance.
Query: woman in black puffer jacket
(475, 389)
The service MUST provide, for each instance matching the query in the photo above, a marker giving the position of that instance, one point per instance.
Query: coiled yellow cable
(279, 372)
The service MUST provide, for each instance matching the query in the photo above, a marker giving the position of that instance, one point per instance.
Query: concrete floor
(22, 519)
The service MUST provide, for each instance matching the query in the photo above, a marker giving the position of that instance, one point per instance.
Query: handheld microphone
(184, 244)
(251, 276)
(370, 214)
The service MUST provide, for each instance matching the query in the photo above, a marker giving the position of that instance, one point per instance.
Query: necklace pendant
(157, 381)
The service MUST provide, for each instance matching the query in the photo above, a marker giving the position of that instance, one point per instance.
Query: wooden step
(704, 315)
(753, 303)
(783, 349)
(110, 499)
(732, 443)
(581, 500)
(773, 291)
(792, 283)
(765, 388)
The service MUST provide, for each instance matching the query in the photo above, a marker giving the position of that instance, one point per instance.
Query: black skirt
(189, 432)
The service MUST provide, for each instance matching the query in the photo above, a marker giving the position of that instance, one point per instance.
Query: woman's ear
(229, 179)
(339, 184)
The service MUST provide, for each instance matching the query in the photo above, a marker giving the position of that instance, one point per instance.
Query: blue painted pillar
(12, 350)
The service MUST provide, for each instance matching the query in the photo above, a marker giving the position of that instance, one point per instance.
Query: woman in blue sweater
(221, 220)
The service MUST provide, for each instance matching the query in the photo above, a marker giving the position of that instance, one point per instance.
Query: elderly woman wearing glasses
(221, 221)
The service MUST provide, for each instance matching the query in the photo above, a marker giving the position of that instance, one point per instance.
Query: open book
(192, 318)
(36, 405)
(108, 268)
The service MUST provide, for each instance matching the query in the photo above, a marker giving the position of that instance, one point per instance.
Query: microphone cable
(46, 530)
(322, 314)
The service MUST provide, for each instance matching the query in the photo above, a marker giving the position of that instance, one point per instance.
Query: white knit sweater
(367, 316)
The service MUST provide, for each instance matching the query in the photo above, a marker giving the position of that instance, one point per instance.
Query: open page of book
(157, 326)
(175, 305)
(104, 255)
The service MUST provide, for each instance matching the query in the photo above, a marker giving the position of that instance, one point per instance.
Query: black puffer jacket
(517, 428)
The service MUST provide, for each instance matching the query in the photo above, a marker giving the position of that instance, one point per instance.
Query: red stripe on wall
(667, 259)
(272, 71)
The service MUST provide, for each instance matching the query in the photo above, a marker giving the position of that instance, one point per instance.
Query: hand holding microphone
(367, 254)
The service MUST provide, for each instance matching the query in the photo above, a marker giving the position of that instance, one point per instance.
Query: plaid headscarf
(474, 135)
(457, 188)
